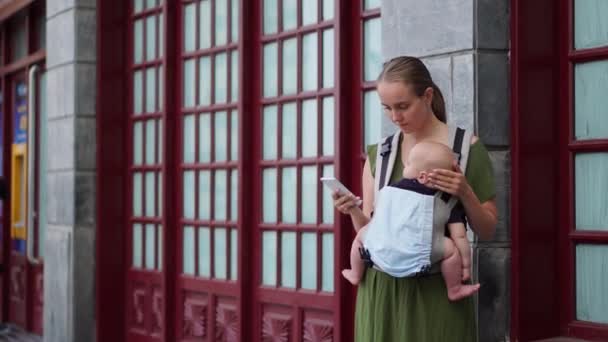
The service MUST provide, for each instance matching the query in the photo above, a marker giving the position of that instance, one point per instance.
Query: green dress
(417, 309)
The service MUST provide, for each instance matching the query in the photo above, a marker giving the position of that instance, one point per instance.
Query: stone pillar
(465, 44)
(69, 264)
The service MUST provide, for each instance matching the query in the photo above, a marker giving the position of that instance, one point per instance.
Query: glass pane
(328, 58)
(221, 195)
(270, 16)
(309, 194)
(221, 78)
(137, 244)
(372, 52)
(308, 257)
(590, 25)
(204, 195)
(150, 246)
(590, 102)
(137, 194)
(189, 129)
(372, 118)
(204, 252)
(310, 58)
(269, 258)
(220, 263)
(150, 194)
(188, 257)
(591, 283)
(205, 24)
(161, 89)
(150, 90)
(234, 135)
(234, 271)
(289, 195)
(138, 92)
(221, 22)
(288, 259)
(151, 3)
(591, 191)
(139, 41)
(234, 76)
(160, 140)
(270, 195)
(189, 83)
(137, 143)
(290, 14)
(327, 265)
(234, 193)
(270, 132)
(234, 29)
(328, 126)
(328, 203)
(190, 27)
(204, 85)
(159, 237)
(270, 70)
(204, 147)
(309, 12)
(290, 66)
(151, 38)
(159, 192)
(221, 136)
(328, 9)
(309, 128)
(161, 36)
(370, 4)
(138, 6)
(189, 194)
(290, 130)
(150, 142)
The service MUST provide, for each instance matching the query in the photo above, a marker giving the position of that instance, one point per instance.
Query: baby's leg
(355, 273)
(459, 236)
(451, 268)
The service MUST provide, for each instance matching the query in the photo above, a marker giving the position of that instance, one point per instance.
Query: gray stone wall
(465, 45)
(69, 296)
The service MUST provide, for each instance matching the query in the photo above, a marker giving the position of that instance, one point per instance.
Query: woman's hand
(345, 203)
(451, 181)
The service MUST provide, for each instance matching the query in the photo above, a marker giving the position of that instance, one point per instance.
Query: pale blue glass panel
(590, 100)
(328, 126)
(269, 258)
(372, 118)
(270, 195)
(371, 4)
(138, 6)
(204, 252)
(138, 92)
(137, 194)
(270, 70)
(159, 193)
(234, 76)
(137, 246)
(221, 195)
(137, 143)
(328, 9)
(204, 195)
(310, 13)
(151, 3)
(372, 49)
(150, 194)
(221, 78)
(591, 191)
(234, 254)
(159, 237)
(150, 142)
(271, 17)
(150, 90)
(590, 24)
(328, 203)
(189, 143)
(190, 27)
(328, 58)
(150, 246)
(139, 41)
(221, 136)
(270, 132)
(221, 22)
(205, 24)
(290, 131)
(310, 57)
(204, 81)
(161, 88)
(290, 14)
(309, 128)
(592, 283)
(234, 195)
(327, 264)
(161, 133)
(288, 259)
(188, 195)
(189, 83)
(234, 135)
(151, 38)
(161, 36)
(290, 66)
(234, 29)
(309, 194)
(289, 195)
(220, 263)
(188, 254)
(308, 259)
(204, 132)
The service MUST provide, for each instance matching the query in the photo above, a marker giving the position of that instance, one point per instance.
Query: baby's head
(426, 156)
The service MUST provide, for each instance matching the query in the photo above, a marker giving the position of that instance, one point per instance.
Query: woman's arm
(482, 217)
(347, 204)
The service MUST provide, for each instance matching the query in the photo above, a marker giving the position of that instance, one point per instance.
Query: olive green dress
(417, 309)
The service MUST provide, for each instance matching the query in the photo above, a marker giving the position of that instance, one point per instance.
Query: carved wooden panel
(157, 310)
(195, 315)
(316, 330)
(276, 327)
(226, 323)
(138, 306)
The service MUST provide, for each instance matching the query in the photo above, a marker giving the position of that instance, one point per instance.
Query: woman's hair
(411, 70)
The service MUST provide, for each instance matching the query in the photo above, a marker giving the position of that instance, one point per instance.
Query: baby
(456, 262)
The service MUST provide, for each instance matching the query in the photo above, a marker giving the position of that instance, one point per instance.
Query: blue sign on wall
(20, 122)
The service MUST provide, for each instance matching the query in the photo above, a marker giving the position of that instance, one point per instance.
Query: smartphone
(337, 186)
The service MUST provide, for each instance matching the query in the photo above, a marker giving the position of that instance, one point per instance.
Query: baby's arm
(459, 236)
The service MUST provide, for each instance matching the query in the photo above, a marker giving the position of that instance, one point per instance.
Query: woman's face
(403, 106)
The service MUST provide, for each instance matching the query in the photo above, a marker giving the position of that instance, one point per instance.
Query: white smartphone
(337, 186)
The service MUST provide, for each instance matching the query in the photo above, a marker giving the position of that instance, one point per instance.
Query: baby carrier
(407, 240)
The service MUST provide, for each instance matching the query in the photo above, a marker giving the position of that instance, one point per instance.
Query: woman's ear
(428, 95)
(423, 177)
